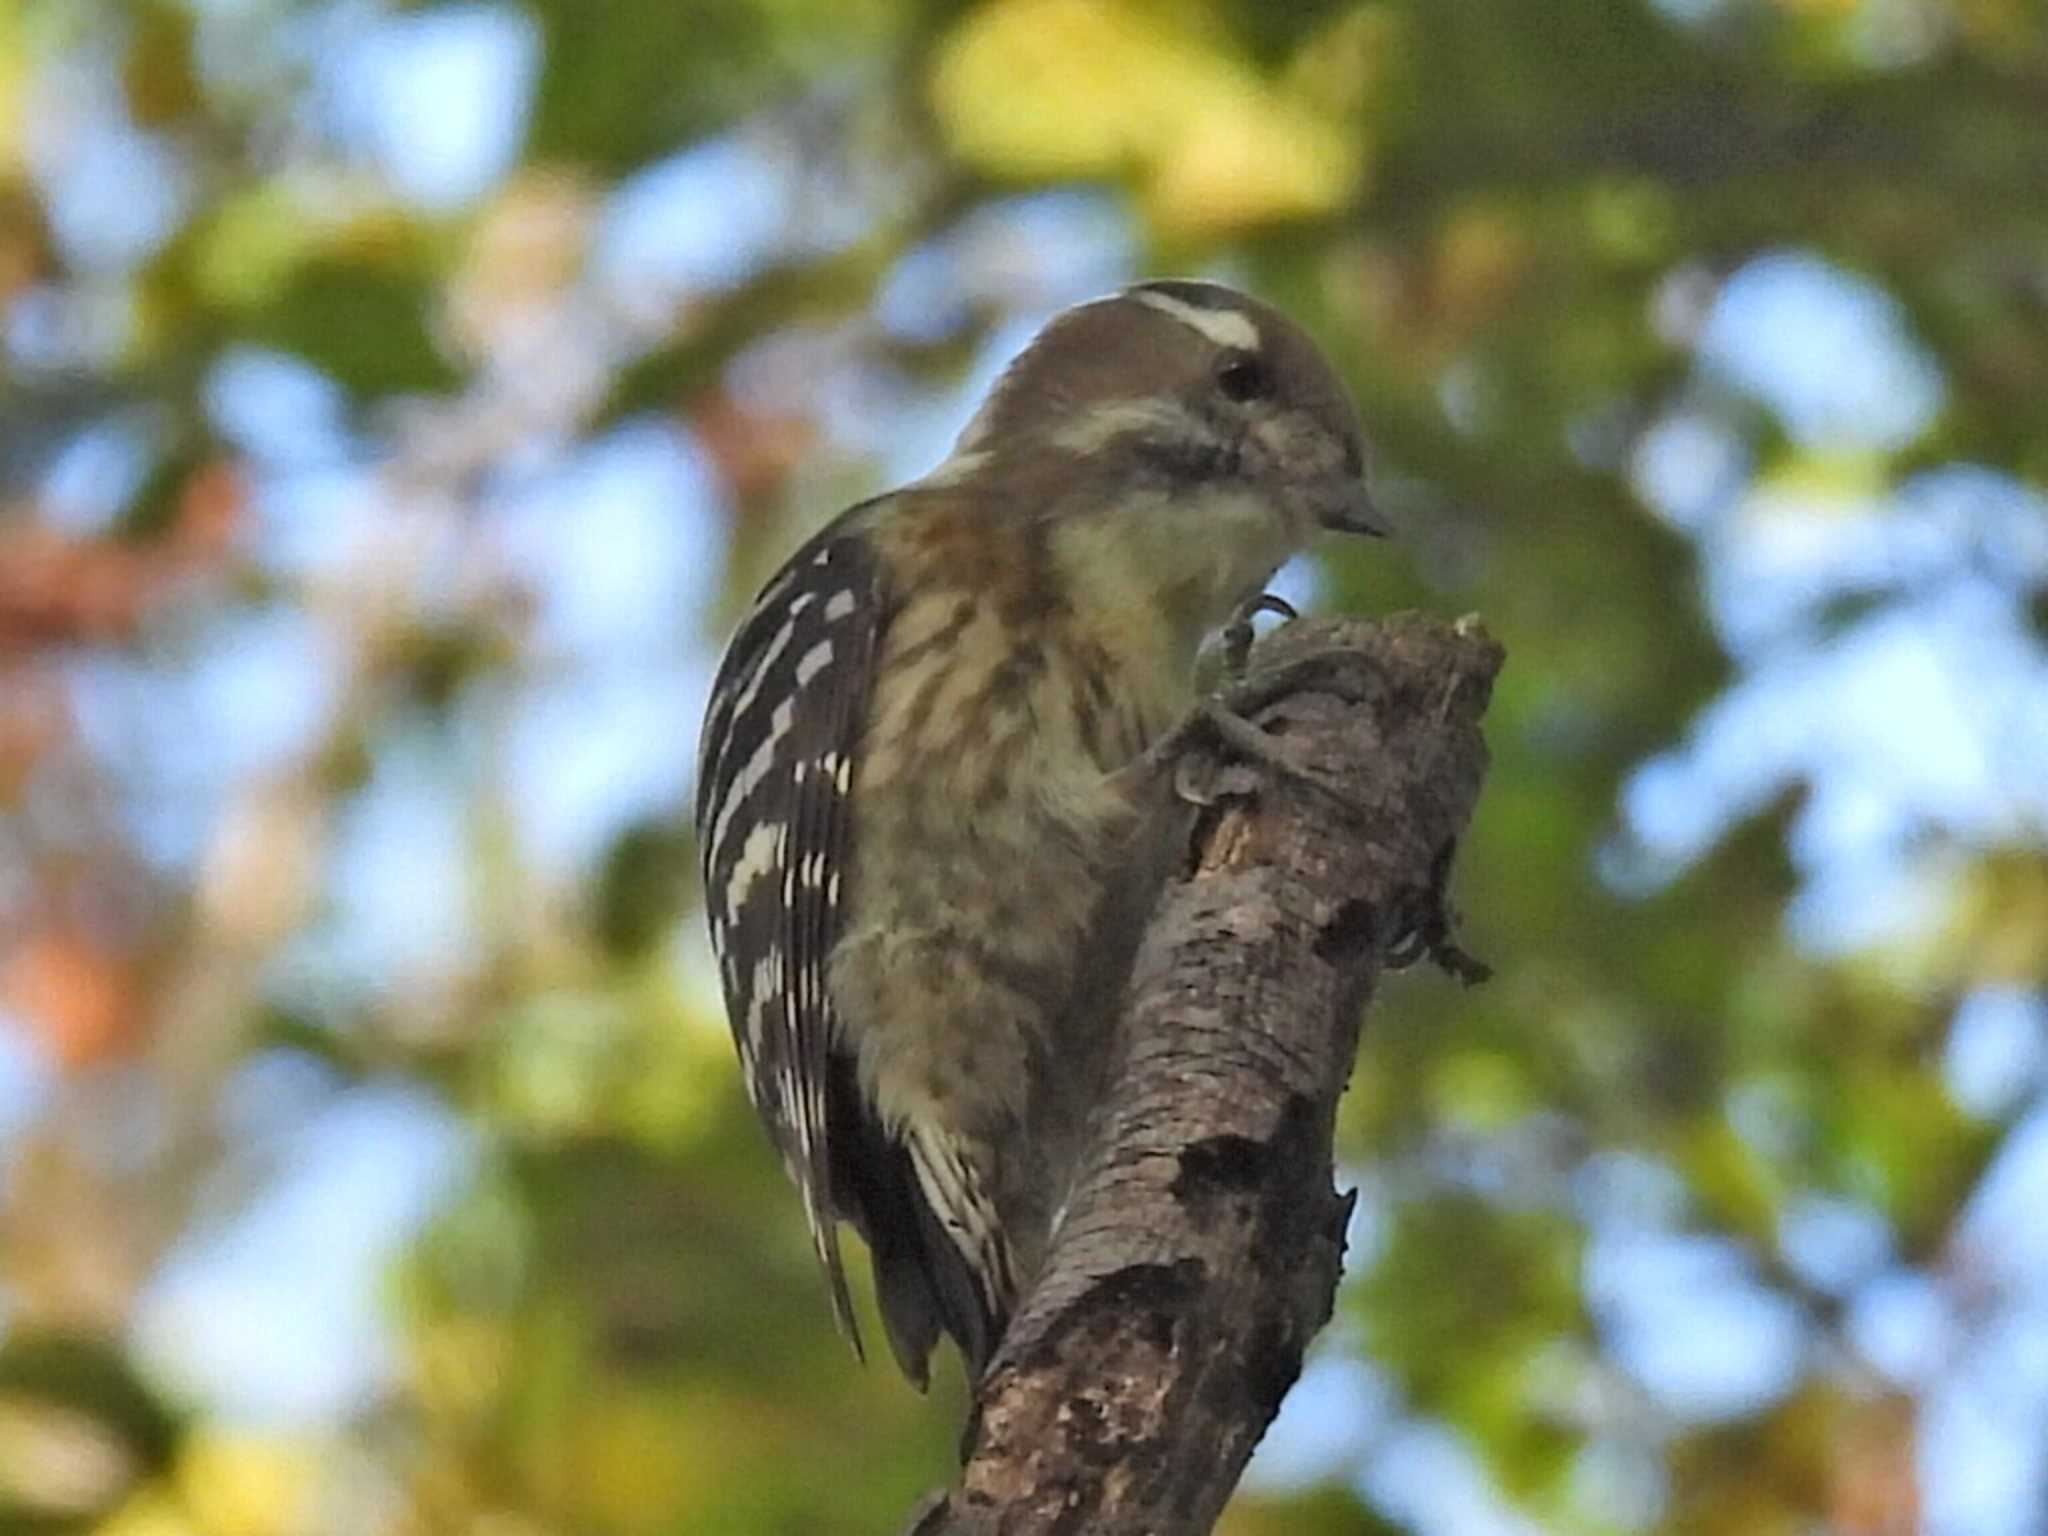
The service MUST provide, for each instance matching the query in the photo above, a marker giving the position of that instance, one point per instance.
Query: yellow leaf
(1037, 89)
(1042, 88)
(150, 1513)
(1242, 160)
(636, 1460)
(248, 1485)
(13, 89)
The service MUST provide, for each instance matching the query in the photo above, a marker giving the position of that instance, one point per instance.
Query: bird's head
(1183, 384)
(1184, 431)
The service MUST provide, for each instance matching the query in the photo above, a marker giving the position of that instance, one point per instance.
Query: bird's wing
(775, 772)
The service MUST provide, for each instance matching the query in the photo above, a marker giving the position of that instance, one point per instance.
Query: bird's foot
(1215, 753)
(1238, 634)
(1432, 934)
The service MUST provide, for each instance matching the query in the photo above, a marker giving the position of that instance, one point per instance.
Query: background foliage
(397, 403)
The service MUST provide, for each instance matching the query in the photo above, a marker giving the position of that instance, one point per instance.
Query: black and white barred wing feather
(775, 769)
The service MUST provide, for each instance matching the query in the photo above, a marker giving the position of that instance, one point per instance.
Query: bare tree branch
(1202, 1246)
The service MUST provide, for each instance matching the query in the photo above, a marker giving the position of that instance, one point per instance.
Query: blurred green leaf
(367, 329)
(643, 886)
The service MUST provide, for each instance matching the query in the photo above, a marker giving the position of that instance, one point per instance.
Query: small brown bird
(925, 874)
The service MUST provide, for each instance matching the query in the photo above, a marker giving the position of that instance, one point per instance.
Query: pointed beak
(1345, 506)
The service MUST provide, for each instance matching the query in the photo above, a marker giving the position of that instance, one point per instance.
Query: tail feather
(924, 1283)
(825, 1239)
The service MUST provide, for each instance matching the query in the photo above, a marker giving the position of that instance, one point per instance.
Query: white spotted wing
(775, 767)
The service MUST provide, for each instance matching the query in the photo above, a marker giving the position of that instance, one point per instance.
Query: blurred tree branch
(1201, 1249)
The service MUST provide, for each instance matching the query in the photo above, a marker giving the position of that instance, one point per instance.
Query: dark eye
(1243, 377)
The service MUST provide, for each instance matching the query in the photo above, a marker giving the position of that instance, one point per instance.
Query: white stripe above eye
(1225, 327)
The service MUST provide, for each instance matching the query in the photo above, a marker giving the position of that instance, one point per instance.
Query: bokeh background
(397, 405)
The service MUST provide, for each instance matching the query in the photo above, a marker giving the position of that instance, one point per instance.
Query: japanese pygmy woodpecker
(924, 873)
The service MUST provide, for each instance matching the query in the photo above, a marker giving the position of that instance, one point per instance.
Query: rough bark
(1202, 1246)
